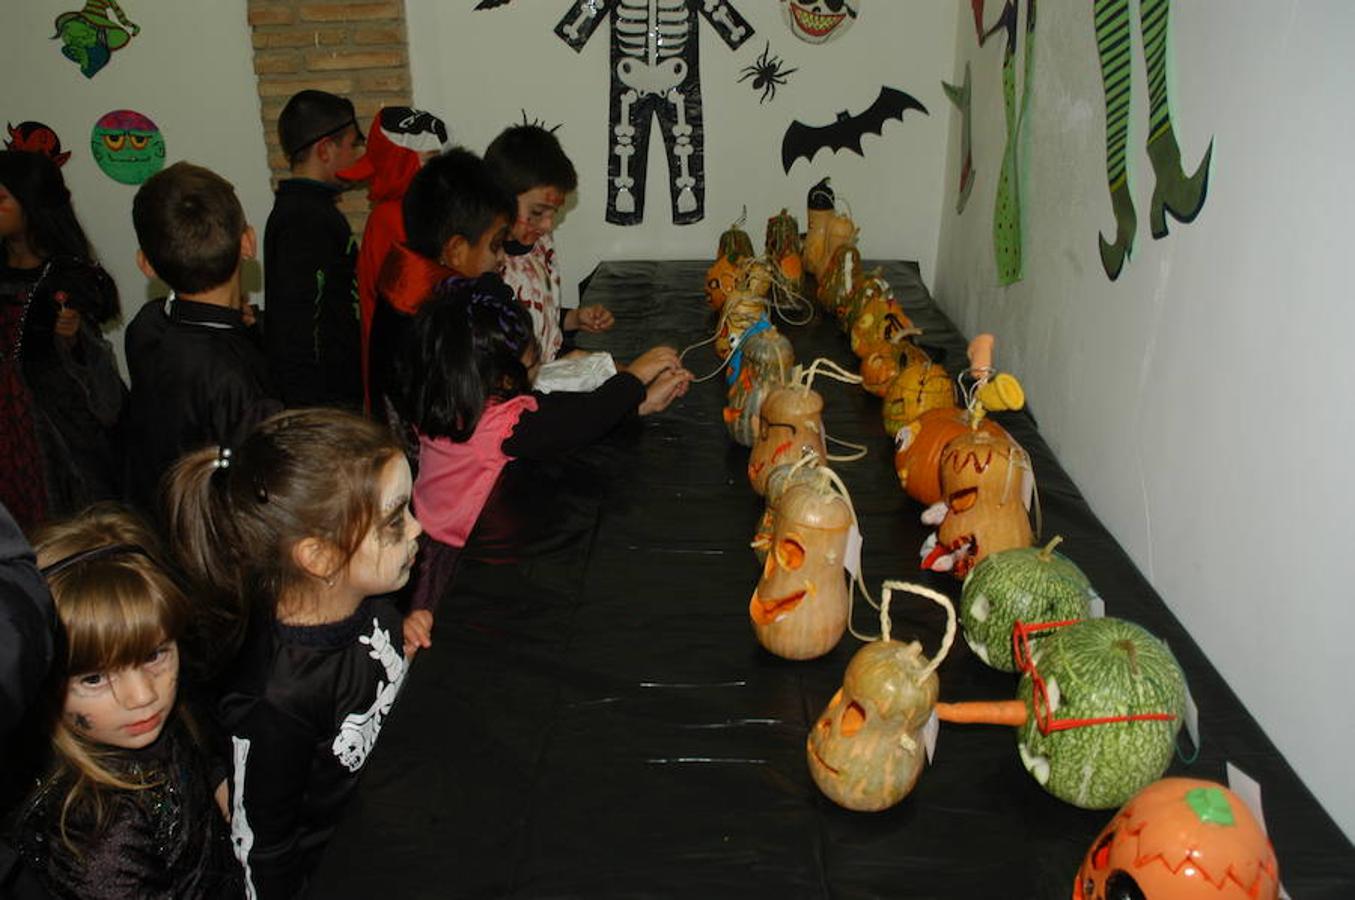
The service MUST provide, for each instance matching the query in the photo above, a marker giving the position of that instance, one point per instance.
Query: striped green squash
(1025, 584)
(1096, 668)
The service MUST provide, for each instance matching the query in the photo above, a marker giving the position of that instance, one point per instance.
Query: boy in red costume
(400, 141)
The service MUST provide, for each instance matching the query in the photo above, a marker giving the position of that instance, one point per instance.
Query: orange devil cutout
(799, 608)
(865, 751)
(1180, 839)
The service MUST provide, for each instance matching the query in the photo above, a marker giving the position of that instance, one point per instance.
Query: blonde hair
(114, 609)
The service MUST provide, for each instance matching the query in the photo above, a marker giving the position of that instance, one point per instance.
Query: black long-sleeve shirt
(311, 330)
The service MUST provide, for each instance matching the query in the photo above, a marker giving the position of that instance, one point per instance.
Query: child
(529, 162)
(127, 809)
(198, 377)
(465, 381)
(61, 395)
(311, 323)
(400, 141)
(296, 532)
(456, 218)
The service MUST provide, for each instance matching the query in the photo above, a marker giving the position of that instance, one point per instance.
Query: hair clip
(223, 458)
(91, 554)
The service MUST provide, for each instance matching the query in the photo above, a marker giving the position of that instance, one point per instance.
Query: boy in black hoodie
(310, 302)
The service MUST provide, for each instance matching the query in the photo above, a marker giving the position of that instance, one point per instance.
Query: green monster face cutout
(127, 146)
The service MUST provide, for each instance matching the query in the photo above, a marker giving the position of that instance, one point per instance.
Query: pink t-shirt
(455, 478)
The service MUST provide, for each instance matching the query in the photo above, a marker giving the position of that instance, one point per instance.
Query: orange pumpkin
(879, 323)
(917, 457)
(1181, 838)
(982, 481)
(918, 387)
(799, 608)
(790, 423)
(720, 280)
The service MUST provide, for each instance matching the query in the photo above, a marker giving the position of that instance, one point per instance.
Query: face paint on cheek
(82, 722)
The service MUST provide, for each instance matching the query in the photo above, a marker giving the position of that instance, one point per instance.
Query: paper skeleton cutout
(655, 71)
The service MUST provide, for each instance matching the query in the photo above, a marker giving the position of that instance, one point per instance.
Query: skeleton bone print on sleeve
(654, 72)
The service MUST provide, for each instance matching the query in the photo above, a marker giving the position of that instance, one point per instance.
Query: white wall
(479, 69)
(1202, 401)
(190, 69)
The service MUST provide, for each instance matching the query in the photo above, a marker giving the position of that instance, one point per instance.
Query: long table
(595, 718)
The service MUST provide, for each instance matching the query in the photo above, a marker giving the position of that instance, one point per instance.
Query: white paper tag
(1027, 487)
(1192, 719)
(1249, 792)
(1096, 609)
(851, 559)
(929, 732)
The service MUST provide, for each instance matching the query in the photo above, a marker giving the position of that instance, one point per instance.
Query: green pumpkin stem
(1128, 647)
(1047, 554)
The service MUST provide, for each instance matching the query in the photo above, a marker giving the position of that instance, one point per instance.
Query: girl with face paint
(127, 807)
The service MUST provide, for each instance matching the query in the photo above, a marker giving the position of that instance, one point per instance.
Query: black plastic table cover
(596, 719)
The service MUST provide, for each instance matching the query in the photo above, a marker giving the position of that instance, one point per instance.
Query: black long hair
(465, 348)
(54, 234)
(36, 183)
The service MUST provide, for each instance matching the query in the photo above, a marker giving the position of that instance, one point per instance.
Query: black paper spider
(766, 73)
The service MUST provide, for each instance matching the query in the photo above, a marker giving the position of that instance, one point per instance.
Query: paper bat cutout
(491, 4)
(803, 141)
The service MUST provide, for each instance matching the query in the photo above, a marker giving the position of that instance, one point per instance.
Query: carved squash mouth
(765, 612)
(823, 762)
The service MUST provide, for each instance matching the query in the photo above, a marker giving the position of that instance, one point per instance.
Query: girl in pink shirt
(466, 387)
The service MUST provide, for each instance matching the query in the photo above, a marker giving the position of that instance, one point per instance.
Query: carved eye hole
(790, 554)
(963, 500)
(1101, 852)
(853, 718)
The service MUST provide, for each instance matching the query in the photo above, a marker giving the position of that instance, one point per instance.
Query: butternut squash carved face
(983, 480)
(790, 424)
(799, 608)
(865, 750)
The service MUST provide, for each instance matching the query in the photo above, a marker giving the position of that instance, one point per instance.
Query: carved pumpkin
(865, 750)
(1096, 713)
(790, 423)
(918, 387)
(721, 278)
(982, 477)
(918, 446)
(741, 311)
(735, 244)
(882, 366)
(880, 323)
(1020, 585)
(764, 363)
(1183, 839)
(799, 608)
(1101, 668)
(784, 250)
(840, 278)
(781, 479)
(856, 754)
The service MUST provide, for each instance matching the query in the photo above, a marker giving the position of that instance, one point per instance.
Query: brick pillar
(355, 50)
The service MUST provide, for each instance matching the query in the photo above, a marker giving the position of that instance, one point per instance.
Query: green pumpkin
(1096, 668)
(1026, 584)
(735, 244)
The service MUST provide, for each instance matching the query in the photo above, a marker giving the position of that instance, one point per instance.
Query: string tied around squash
(803, 378)
(734, 341)
(886, 594)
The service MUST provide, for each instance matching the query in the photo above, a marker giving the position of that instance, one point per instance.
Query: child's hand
(650, 364)
(418, 631)
(595, 318)
(222, 794)
(664, 390)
